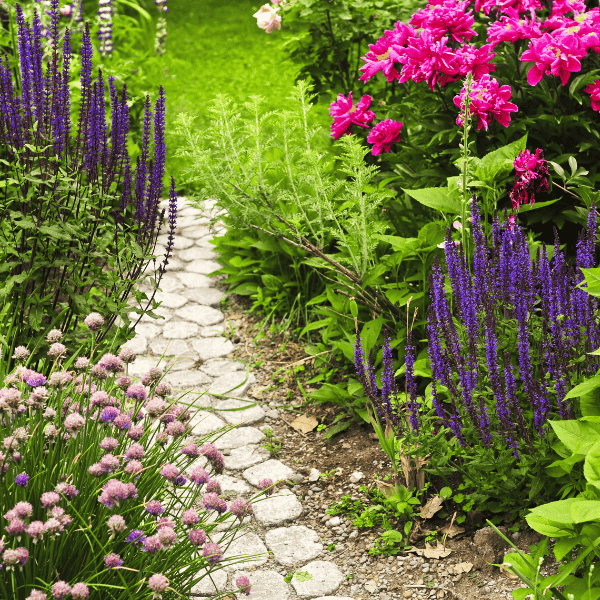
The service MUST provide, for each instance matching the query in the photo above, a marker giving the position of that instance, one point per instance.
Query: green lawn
(215, 46)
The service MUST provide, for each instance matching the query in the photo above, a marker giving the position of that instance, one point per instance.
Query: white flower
(267, 18)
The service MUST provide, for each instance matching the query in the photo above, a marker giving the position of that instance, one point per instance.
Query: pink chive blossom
(116, 524)
(93, 321)
(531, 177)
(162, 438)
(109, 463)
(49, 499)
(593, 89)
(49, 413)
(15, 527)
(21, 353)
(23, 510)
(109, 444)
(176, 429)
(553, 55)
(383, 135)
(82, 363)
(99, 372)
(80, 591)
(54, 335)
(134, 451)
(37, 595)
(156, 407)
(59, 378)
(11, 558)
(112, 560)
(167, 536)
(199, 476)
(123, 382)
(152, 544)
(102, 399)
(57, 350)
(127, 355)
(197, 537)
(74, 422)
(385, 54)
(135, 432)
(137, 391)
(35, 530)
(446, 18)
(214, 487)
(190, 517)
(211, 501)
(61, 589)
(240, 508)
(487, 99)
(122, 421)
(152, 376)
(112, 363)
(114, 491)
(165, 522)
(191, 450)
(133, 467)
(96, 470)
(243, 583)
(66, 489)
(266, 485)
(212, 552)
(158, 583)
(345, 114)
(109, 414)
(154, 508)
(163, 389)
(169, 472)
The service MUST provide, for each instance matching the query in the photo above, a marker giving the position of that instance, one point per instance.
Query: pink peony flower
(593, 89)
(531, 177)
(446, 18)
(267, 18)
(383, 135)
(345, 114)
(486, 100)
(475, 60)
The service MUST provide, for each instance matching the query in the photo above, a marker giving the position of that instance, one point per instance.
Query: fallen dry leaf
(431, 552)
(464, 567)
(304, 423)
(452, 531)
(433, 505)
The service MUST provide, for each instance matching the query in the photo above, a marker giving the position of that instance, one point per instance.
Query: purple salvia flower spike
(411, 384)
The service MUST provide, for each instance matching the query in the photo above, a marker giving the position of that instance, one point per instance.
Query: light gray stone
(184, 222)
(162, 312)
(272, 469)
(215, 367)
(334, 522)
(182, 380)
(181, 243)
(159, 250)
(212, 347)
(171, 348)
(326, 579)
(194, 280)
(203, 423)
(276, 509)
(250, 414)
(231, 485)
(356, 477)
(139, 344)
(240, 436)
(197, 232)
(201, 461)
(293, 545)
(170, 284)
(192, 211)
(244, 544)
(202, 266)
(148, 330)
(180, 330)
(174, 265)
(232, 384)
(210, 585)
(206, 242)
(207, 296)
(314, 475)
(141, 365)
(196, 253)
(245, 456)
(266, 585)
(180, 364)
(171, 300)
(212, 330)
(340, 598)
(200, 314)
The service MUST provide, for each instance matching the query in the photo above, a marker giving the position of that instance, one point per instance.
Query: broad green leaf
(591, 467)
(589, 404)
(422, 368)
(404, 245)
(335, 429)
(244, 289)
(432, 234)
(370, 334)
(438, 198)
(583, 511)
(498, 161)
(316, 325)
(577, 436)
(585, 387)
(592, 281)
(529, 207)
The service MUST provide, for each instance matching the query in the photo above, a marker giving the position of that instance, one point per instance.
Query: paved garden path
(191, 334)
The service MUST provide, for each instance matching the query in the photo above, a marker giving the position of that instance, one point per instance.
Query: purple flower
(123, 382)
(212, 553)
(135, 432)
(109, 463)
(67, 490)
(109, 414)
(154, 508)
(176, 429)
(133, 467)
(214, 486)
(122, 421)
(169, 472)
(197, 537)
(134, 451)
(191, 450)
(135, 537)
(243, 584)
(111, 363)
(109, 444)
(112, 560)
(36, 380)
(180, 480)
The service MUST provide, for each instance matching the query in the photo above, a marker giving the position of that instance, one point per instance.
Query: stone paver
(240, 436)
(266, 585)
(212, 347)
(191, 332)
(249, 415)
(326, 579)
(206, 586)
(277, 509)
(271, 469)
(245, 456)
(201, 314)
(233, 384)
(293, 545)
